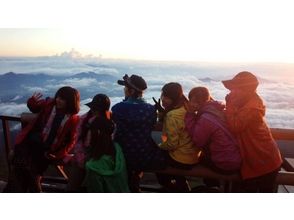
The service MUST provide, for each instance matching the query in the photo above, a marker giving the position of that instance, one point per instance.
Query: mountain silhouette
(105, 77)
(23, 84)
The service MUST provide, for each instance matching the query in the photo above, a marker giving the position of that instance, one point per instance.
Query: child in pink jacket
(205, 123)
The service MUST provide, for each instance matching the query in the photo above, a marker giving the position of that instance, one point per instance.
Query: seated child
(206, 124)
(47, 139)
(134, 119)
(175, 139)
(261, 159)
(99, 106)
(105, 167)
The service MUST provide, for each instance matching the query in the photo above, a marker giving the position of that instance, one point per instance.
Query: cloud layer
(277, 95)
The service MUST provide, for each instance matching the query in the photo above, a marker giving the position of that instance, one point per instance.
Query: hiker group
(110, 150)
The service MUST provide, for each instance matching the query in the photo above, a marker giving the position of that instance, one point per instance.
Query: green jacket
(106, 175)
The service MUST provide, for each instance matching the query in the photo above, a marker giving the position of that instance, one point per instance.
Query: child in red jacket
(48, 138)
(245, 111)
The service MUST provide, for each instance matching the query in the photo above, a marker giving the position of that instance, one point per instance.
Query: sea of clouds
(276, 87)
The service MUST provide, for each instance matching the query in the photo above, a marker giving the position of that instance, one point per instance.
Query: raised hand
(157, 105)
(37, 96)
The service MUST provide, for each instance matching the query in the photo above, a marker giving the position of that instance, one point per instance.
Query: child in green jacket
(105, 166)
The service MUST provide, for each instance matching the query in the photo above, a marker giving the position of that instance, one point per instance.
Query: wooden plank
(9, 118)
(283, 177)
(7, 143)
(288, 164)
(282, 134)
(199, 171)
(289, 189)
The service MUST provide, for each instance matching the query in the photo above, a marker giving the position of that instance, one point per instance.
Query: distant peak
(10, 73)
(206, 79)
(89, 74)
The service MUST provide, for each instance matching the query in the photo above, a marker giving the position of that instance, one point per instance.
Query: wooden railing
(6, 134)
(283, 134)
(284, 177)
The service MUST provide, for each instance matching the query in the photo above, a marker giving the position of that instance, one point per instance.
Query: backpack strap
(213, 119)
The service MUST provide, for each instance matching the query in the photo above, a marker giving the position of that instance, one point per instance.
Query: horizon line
(84, 57)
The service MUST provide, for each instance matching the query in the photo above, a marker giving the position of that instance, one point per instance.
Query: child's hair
(101, 138)
(200, 93)
(174, 91)
(71, 97)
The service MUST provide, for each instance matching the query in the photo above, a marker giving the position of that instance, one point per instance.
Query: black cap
(134, 81)
(100, 102)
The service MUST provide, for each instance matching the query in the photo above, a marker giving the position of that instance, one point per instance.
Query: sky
(180, 30)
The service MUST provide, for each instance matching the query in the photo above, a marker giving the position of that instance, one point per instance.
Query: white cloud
(278, 96)
(35, 89)
(56, 86)
(111, 71)
(56, 65)
(12, 109)
(280, 118)
(16, 98)
(79, 83)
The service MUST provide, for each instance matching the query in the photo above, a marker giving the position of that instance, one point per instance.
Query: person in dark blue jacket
(135, 120)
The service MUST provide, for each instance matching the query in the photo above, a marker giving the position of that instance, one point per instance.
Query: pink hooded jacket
(208, 131)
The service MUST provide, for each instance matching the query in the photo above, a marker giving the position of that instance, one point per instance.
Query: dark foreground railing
(285, 177)
(48, 181)
(6, 134)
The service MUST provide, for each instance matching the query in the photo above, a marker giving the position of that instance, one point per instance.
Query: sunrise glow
(218, 31)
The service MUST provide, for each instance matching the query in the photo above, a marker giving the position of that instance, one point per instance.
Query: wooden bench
(283, 177)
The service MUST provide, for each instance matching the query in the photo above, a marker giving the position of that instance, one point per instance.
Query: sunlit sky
(210, 30)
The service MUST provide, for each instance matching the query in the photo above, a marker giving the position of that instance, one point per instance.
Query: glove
(157, 105)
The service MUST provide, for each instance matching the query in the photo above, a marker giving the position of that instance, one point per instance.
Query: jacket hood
(106, 166)
(215, 108)
(178, 112)
(256, 103)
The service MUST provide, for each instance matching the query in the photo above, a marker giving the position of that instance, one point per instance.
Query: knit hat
(244, 80)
